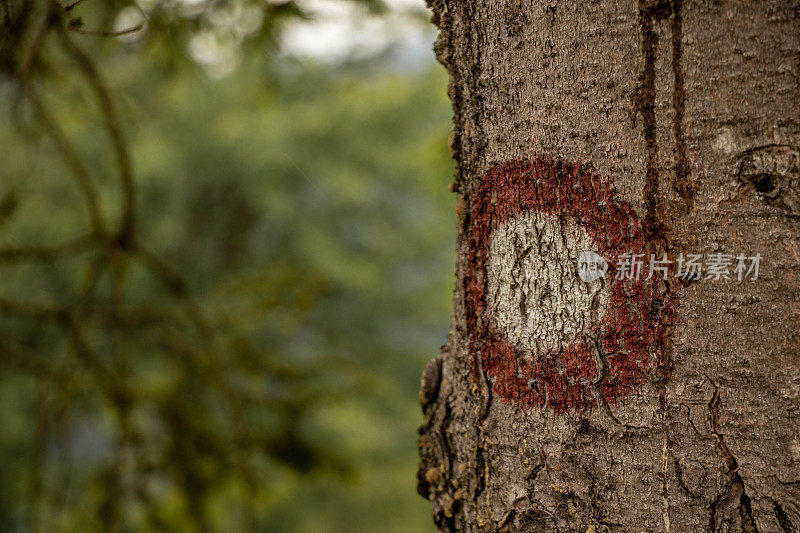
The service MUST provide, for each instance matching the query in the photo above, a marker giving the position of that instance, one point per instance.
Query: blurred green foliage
(305, 209)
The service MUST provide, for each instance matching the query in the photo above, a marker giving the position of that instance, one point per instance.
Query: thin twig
(17, 28)
(46, 253)
(33, 311)
(25, 360)
(6, 25)
(108, 33)
(72, 6)
(6, 15)
(176, 285)
(71, 158)
(38, 460)
(90, 280)
(46, 22)
(112, 123)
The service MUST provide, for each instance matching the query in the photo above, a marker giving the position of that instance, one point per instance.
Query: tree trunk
(565, 401)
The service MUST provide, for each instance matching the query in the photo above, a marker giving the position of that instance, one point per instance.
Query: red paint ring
(626, 340)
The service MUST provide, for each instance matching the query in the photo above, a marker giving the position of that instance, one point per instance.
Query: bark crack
(736, 483)
(783, 519)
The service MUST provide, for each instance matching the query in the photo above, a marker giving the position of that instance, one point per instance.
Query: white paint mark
(535, 293)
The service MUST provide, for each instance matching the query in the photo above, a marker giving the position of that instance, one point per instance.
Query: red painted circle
(626, 340)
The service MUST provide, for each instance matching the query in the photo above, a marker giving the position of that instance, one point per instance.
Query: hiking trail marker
(550, 323)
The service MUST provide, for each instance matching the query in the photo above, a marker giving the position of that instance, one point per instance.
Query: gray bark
(691, 110)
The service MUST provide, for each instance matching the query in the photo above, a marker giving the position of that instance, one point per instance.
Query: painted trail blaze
(606, 352)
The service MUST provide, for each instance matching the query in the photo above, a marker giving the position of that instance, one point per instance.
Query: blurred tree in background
(221, 272)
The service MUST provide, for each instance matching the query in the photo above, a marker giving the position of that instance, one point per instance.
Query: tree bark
(649, 127)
